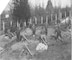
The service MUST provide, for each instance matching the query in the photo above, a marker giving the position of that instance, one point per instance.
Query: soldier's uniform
(18, 35)
(58, 33)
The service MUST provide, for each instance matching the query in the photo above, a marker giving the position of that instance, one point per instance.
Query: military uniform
(58, 33)
(18, 35)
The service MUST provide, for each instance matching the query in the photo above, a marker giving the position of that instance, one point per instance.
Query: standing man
(18, 35)
(58, 33)
(33, 28)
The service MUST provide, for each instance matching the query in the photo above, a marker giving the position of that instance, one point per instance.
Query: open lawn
(56, 50)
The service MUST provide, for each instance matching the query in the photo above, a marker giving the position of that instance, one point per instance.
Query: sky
(57, 3)
(3, 4)
(33, 3)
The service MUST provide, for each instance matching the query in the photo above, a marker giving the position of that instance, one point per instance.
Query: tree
(21, 11)
(39, 11)
(49, 7)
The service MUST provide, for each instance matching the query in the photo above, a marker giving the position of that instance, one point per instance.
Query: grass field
(57, 51)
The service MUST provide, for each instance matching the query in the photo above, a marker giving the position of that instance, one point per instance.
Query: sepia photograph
(35, 29)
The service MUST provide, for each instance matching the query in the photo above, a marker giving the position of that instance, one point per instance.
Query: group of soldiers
(35, 31)
(57, 32)
(33, 28)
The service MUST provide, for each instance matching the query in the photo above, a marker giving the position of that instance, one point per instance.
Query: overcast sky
(34, 3)
(57, 3)
(63, 3)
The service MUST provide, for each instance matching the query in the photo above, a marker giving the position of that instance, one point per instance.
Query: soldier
(33, 28)
(58, 33)
(18, 35)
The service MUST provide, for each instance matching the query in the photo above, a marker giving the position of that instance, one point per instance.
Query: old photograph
(35, 29)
